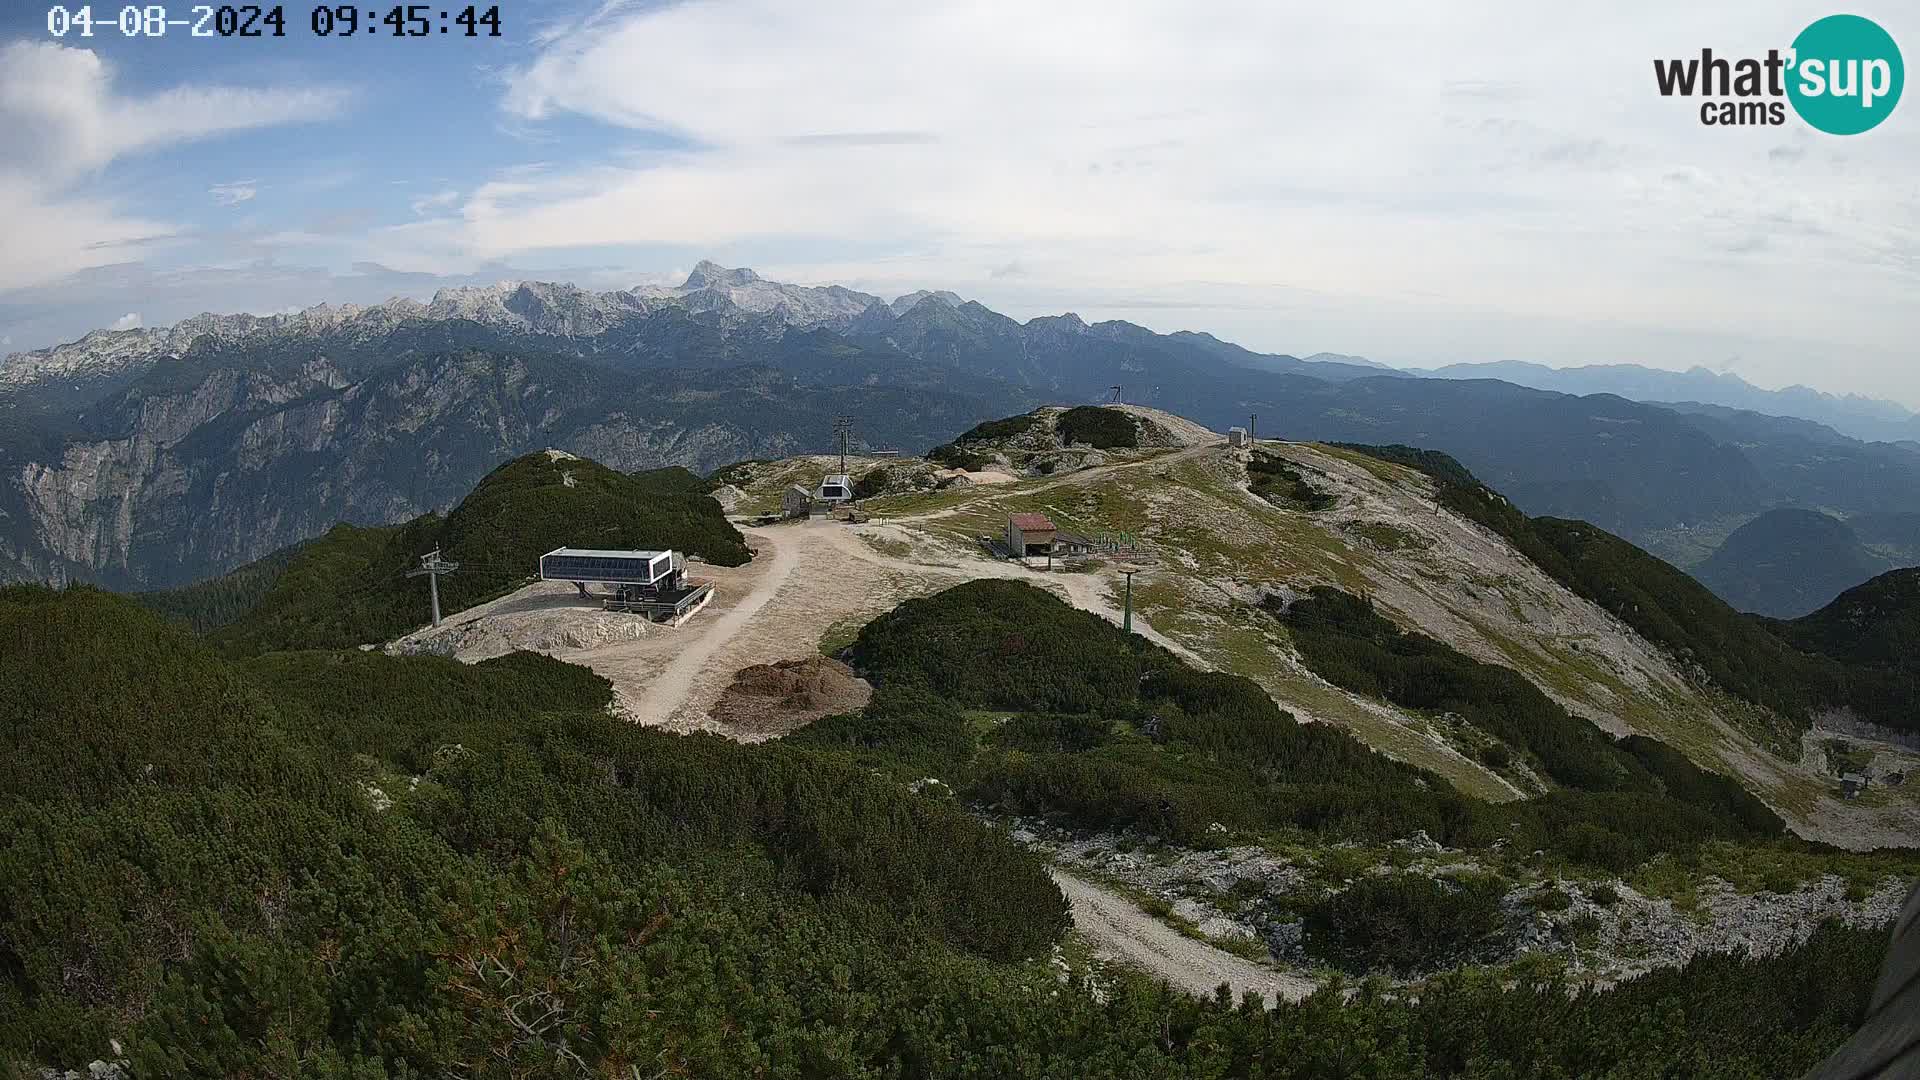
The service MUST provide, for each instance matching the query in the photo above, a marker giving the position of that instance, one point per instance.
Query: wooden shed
(796, 501)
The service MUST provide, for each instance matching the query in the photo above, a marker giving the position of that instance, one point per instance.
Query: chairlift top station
(612, 567)
(651, 583)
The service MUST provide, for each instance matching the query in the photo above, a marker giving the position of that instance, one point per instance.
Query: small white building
(1237, 436)
(796, 501)
(836, 488)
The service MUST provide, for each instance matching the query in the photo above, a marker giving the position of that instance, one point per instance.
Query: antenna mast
(432, 565)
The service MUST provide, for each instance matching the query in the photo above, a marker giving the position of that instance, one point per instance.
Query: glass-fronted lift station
(611, 567)
(651, 583)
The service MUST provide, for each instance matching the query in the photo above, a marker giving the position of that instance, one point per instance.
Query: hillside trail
(1120, 930)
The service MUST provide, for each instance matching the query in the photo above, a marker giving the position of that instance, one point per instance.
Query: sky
(1417, 183)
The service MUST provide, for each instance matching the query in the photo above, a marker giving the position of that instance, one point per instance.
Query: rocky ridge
(533, 307)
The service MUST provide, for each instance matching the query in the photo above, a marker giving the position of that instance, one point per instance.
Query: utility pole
(843, 433)
(1126, 618)
(1251, 417)
(432, 565)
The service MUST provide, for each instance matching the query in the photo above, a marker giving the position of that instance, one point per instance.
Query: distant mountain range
(153, 457)
(1870, 419)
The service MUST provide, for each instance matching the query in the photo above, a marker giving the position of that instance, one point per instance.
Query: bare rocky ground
(547, 618)
(1241, 894)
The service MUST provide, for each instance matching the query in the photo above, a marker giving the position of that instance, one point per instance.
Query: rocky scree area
(1599, 932)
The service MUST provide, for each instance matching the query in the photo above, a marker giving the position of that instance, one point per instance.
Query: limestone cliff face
(196, 475)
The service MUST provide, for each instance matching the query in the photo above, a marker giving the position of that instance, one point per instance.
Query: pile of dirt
(769, 700)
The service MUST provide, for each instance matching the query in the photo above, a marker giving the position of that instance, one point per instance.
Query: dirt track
(817, 575)
(1119, 930)
(668, 691)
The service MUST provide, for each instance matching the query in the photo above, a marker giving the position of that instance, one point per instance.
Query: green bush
(1004, 428)
(873, 483)
(1550, 898)
(1584, 929)
(1274, 479)
(1404, 923)
(954, 457)
(1100, 428)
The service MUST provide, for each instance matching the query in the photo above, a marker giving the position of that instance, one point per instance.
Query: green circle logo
(1847, 75)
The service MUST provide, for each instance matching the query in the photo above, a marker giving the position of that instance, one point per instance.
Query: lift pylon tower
(843, 434)
(432, 565)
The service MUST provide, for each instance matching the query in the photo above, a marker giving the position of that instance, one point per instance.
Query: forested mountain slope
(350, 586)
(374, 866)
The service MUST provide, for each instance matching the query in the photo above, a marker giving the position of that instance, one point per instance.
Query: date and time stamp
(273, 20)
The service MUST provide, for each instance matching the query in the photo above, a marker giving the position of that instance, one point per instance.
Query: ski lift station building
(836, 488)
(653, 583)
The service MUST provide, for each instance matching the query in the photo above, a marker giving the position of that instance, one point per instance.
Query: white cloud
(129, 321)
(62, 120)
(1402, 158)
(50, 235)
(235, 193)
(64, 115)
(439, 200)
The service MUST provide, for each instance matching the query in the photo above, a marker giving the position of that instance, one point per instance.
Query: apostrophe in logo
(1843, 75)
(1847, 74)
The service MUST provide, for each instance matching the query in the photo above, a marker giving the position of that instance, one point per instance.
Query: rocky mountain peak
(708, 274)
(911, 300)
